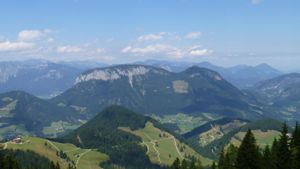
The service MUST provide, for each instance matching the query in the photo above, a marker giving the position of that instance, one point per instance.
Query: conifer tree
(221, 159)
(274, 152)
(283, 154)
(295, 148)
(230, 157)
(184, 164)
(199, 164)
(296, 159)
(176, 164)
(213, 166)
(228, 163)
(266, 159)
(193, 165)
(57, 166)
(52, 165)
(232, 152)
(248, 154)
(295, 141)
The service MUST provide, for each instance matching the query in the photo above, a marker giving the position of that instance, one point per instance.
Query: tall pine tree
(295, 148)
(267, 159)
(184, 164)
(295, 141)
(248, 154)
(176, 164)
(283, 152)
(274, 152)
(221, 159)
(213, 166)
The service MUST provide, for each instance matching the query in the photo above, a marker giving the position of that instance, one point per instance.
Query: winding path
(154, 147)
(175, 144)
(153, 142)
(80, 155)
(157, 152)
(5, 146)
(75, 149)
(53, 145)
(144, 143)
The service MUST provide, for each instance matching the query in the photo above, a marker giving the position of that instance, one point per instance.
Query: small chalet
(17, 140)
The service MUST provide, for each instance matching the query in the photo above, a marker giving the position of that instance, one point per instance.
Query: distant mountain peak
(263, 65)
(194, 69)
(280, 87)
(199, 71)
(267, 68)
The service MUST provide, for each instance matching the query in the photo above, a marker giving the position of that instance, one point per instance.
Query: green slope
(23, 113)
(263, 138)
(209, 139)
(162, 147)
(127, 137)
(81, 158)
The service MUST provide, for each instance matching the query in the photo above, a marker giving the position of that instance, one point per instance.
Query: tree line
(17, 159)
(284, 153)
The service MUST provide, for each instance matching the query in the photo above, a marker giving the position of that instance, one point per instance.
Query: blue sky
(224, 32)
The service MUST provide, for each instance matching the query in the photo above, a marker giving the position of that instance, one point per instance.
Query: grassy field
(5, 111)
(59, 127)
(162, 147)
(218, 131)
(185, 122)
(11, 129)
(81, 158)
(262, 138)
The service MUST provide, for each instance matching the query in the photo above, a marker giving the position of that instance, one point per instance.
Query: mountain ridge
(242, 76)
(155, 90)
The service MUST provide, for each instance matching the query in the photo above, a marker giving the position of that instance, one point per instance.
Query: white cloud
(255, 2)
(100, 50)
(151, 37)
(68, 49)
(29, 35)
(199, 51)
(193, 35)
(164, 50)
(15, 46)
(150, 49)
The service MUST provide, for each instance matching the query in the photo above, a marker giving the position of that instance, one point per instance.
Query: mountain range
(282, 93)
(38, 77)
(48, 79)
(91, 114)
(242, 76)
(152, 90)
(196, 92)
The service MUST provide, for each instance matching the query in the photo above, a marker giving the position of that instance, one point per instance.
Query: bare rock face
(112, 74)
(180, 86)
